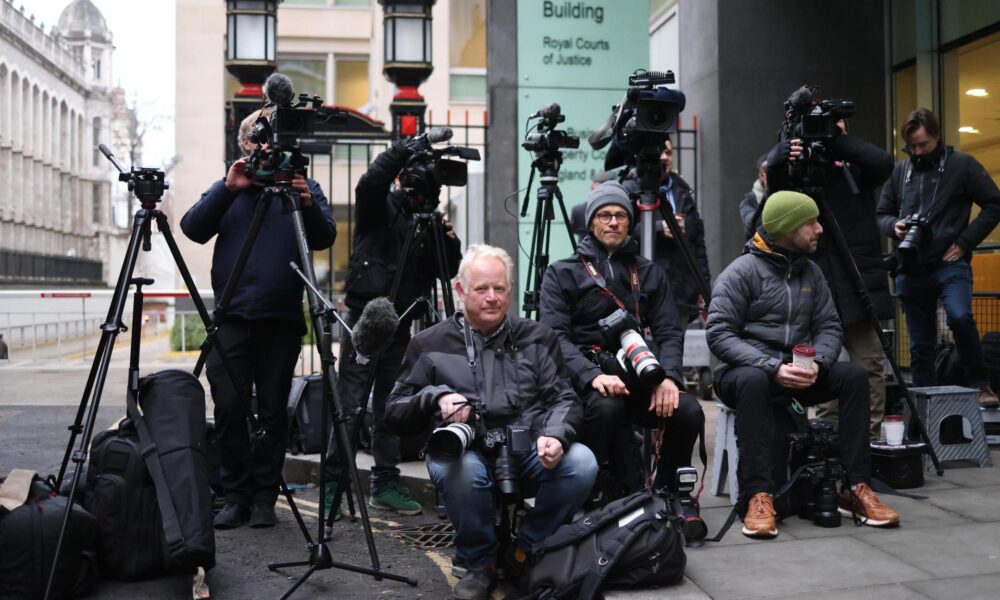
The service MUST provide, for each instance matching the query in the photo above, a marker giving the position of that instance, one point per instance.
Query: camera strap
(602, 283)
(909, 173)
(470, 354)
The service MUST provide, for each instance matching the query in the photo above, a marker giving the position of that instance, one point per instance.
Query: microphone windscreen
(376, 327)
(439, 134)
(278, 90)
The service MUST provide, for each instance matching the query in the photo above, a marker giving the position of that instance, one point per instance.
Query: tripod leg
(441, 250)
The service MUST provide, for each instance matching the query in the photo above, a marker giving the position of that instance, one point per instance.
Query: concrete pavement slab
(778, 568)
(897, 591)
(686, 590)
(979, 587)
(944, 552)
(977, 504)
(914, 514)
(972, 476)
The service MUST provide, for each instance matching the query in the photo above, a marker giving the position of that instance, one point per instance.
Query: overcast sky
(143, 62)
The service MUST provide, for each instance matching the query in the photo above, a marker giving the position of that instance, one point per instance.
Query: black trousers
(352, 379)
(262, 355)
(680, 434)
(752, 393)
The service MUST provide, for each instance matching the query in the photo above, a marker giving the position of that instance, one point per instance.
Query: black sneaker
(476, 584)
(263, 515)
(231, 516)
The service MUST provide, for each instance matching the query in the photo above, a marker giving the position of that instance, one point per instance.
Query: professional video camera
(908, 250)
(814, 121)
(281, 125)
(426, 170)
(546, 137)
(816, 452)
(634, 358)
(509, 444)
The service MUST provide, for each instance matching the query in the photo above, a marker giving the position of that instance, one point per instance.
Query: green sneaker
(396, 498)
(329, 493)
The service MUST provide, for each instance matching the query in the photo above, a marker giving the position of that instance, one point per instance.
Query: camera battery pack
(899, 466)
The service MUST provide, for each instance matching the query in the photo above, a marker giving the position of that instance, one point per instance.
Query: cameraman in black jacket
(383, 219)
(868, 166)
(572, 303)
(940, 184)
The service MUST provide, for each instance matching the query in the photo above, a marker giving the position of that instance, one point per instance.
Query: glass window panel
(308, 74)
(409, 39)
(250, 37)
(904, 30)
(304, 3)
(351, 86)
(904, 85)
(962, 17)
(465, 87)
(352, 2)
(468, 34)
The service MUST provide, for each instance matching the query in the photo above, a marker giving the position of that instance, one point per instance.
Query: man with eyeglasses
(606, 274)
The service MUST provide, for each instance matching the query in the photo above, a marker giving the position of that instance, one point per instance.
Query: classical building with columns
(57, 217)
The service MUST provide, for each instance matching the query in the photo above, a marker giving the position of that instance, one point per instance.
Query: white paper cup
(893, 429)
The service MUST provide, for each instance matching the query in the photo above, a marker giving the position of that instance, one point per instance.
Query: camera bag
(991, 355)
(305, 406)
(947, 366)
(633, 542)
(150, 482)
(28, 537)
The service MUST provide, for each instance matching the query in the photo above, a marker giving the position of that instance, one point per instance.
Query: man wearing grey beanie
(606, 275)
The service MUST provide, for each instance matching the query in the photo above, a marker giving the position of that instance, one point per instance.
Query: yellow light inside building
(977, 92)
(968, 129)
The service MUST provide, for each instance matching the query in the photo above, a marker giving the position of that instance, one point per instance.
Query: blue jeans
(466, 486)
(951, 281)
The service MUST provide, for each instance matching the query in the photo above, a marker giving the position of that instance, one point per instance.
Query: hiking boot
(231, 516)
(988, 398)
(262, 515)
(867, 506)
(396, 498)
(476, 584)
(329, 494)
(759, 521)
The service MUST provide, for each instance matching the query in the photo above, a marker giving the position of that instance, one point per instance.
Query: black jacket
(523, 374)
(869, 165)
(962, 182)
(382, 220)
(572, 304)
(764, 303)
(268, 288)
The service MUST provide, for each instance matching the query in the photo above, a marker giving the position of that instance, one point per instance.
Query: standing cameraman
(940, 184)
(382, 222)
(856, 168)
(262, 330)
(607, 273)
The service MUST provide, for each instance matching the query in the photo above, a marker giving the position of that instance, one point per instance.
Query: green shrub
(194, 333)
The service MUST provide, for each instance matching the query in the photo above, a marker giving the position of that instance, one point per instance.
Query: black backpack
(636, 541)
(150, 482)
(947, 366)
(28, 536)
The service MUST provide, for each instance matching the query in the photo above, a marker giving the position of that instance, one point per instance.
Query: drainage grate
(433, 535)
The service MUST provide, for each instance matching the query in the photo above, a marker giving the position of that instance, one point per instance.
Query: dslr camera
(908, 250)
(508, 445)
(632, 359)
(426, 169)
(816, 452)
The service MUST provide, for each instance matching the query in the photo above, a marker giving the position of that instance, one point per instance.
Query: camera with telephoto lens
(546, 137)
(816, 452)
(426, 170)
(621, 334)
(908, 250)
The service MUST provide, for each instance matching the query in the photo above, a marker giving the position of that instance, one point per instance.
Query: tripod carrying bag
(150, 482)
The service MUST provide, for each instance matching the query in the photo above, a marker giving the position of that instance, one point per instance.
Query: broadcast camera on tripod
(546, 144)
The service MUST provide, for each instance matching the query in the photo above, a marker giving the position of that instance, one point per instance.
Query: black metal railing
(18, 268)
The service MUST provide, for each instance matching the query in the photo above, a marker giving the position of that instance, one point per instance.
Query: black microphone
(278, 90)
(375, 329)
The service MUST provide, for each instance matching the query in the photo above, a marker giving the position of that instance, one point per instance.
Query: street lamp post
(407, 35)
(251, 41)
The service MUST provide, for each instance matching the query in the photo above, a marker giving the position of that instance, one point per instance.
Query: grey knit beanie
(609, 192)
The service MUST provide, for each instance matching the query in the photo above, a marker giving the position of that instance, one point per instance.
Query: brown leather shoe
(988, 398)
(759, 521)
(867, 506)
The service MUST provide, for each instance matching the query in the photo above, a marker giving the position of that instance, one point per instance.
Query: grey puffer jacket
(763, 304)
(521, 369)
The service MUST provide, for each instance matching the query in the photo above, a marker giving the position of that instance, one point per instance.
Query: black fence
(20, 268)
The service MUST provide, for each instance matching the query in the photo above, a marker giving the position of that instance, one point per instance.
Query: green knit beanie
(784, 212)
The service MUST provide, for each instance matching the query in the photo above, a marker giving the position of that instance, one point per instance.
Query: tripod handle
(110, 156)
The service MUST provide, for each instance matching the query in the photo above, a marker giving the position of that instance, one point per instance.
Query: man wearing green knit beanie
(789, 218)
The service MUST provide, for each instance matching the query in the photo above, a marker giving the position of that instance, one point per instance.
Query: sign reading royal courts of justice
(579, 55)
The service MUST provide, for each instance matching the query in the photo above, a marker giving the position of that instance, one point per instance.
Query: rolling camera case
(900, 467)
(28, 537)
(633, 542)
(150, 482)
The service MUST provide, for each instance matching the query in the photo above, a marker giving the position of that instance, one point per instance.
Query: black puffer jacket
(382, 219)
(764, 303)
(964, 181)
(572, 304)
(524, 377)
(869, 165)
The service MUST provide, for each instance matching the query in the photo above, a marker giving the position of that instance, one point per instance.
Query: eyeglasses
(605, 218)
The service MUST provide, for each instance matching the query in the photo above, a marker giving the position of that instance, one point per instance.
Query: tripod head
(146, 183)
(546, 144)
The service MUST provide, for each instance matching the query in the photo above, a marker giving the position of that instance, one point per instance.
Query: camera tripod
(320, 557)
(419, 223)
(547, 164)
(148, 186)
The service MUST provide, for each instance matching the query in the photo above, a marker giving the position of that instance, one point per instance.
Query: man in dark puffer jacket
(514, 368)
(763, 304)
